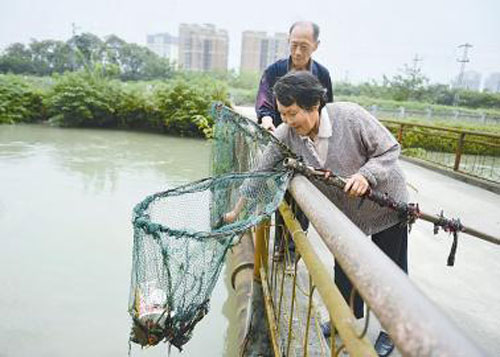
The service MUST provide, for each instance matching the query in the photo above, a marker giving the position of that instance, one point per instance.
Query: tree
(88, 50)
(50, 56)
(408, 85)
(16, 59)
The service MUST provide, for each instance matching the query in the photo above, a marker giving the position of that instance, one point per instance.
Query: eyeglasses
(304, 47)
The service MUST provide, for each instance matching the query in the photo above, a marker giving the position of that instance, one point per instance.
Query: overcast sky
(360, 39)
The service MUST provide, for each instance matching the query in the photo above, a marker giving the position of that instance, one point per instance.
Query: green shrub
(240, 96)
(88, 99)
(19, 102)
(416, 139)
(184, 107)
(135, 109)
(82, 99)
(437, 109)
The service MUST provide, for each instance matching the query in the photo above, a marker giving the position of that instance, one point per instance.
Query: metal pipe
(416, 325)
(382, 199)
(261, 254)
(268, 303)
(240, 261)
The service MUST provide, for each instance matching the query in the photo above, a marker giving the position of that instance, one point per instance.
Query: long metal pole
(380, 198)
(417, 327)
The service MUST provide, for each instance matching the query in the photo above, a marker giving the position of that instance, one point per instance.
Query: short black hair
(300, 87)
(314, 26)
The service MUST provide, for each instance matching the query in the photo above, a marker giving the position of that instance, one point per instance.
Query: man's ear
(316, 44)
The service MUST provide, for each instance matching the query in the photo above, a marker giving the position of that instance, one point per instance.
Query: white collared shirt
(320, 142)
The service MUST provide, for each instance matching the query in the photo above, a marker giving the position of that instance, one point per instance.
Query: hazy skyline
(359, 39)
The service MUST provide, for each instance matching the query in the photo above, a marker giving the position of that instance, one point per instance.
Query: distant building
(164, 45)
(471, 80)
(203, 47)
(258, 50)
(492, 83)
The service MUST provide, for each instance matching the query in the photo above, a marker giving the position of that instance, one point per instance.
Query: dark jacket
(265, 104)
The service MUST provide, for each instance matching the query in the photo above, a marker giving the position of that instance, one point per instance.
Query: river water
(66, 197)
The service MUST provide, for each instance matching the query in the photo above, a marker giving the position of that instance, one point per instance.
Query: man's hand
(267, 123)
(356, 185)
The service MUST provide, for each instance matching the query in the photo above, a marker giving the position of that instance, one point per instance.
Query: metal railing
(469, 152)
(430, 114)
(291, 298)
(417, 327)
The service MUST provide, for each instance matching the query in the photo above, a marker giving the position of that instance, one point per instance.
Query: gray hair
(315, 28)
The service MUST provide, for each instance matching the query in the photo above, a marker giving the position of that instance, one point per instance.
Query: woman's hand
(356, 185)
(230, 217)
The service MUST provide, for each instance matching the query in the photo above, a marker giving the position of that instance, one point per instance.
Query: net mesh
(181, 240)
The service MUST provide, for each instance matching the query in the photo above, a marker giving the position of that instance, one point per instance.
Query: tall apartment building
(258, 50)
(492, 83)
(164, 45)
(203, 47)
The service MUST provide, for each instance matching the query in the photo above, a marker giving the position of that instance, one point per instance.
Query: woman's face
(304, 122)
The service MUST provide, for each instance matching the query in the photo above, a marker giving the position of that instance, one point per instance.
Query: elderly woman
(344, 138)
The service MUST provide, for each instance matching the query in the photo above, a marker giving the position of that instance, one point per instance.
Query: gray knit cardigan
(359, 144)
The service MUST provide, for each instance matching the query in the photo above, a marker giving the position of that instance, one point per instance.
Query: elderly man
(303, 41)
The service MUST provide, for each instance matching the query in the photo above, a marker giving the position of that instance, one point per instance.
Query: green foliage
(408, 84)
(473, 99)
(19, 102)
(90, 99)
(418, 140)
(17, 59)
(390, 104)
(241, 96)
(410, 90)
(184, 107)
(115, 57)
(83, 99)
(135, 109)
(244, 80)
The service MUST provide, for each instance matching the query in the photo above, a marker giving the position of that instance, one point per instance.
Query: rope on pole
(409, 211)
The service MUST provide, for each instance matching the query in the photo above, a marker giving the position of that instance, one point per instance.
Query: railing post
(261, 251)
(458, 153)
(429, 112)
(400, 135)
(401, 112)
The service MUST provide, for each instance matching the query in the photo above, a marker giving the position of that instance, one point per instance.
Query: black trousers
(394, 243)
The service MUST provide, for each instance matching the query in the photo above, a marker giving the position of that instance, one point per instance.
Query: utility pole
(462, 62)
(74, 28)
(416, 59)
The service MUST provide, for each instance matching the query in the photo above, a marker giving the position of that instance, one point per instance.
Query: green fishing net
(181, 240)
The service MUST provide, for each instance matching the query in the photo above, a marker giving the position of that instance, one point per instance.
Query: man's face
(302, 46)
(301, 120)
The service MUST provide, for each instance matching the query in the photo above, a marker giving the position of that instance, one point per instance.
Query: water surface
(66, 197)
